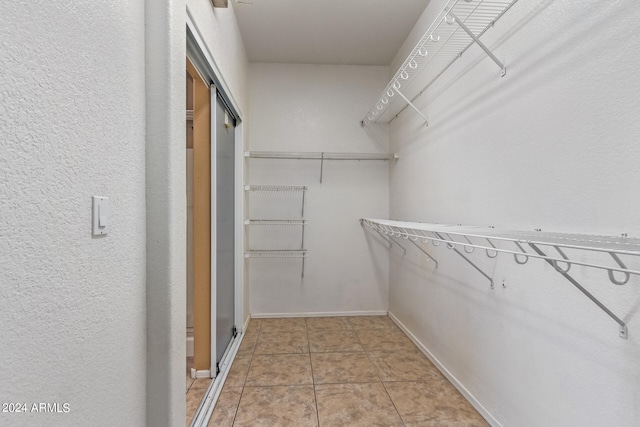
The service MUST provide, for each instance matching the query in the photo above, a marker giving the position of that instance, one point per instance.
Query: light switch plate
(100, 216)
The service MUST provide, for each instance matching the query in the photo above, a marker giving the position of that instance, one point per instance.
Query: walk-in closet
(320, 213)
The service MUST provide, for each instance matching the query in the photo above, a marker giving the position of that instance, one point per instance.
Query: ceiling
(354, 32)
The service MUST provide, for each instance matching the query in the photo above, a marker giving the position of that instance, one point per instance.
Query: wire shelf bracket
(623, 332)
(564, 244)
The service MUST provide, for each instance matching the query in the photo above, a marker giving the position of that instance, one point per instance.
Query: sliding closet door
(224, 130)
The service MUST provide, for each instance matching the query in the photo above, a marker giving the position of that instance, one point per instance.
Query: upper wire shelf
(560, 250)
(458, 25)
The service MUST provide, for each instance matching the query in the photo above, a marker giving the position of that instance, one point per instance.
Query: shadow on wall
(379, 135)
(565, 53)
(516, 312)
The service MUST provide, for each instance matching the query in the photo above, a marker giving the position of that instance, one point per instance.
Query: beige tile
(328, 323)
(342, 368)
(432, 403)
(281, 406)
(332, 341)
(404, 366)
(355, 405)
(194, 397)
(385, 340)
(248, 344)
(238, 372)
(279, 369)
(371, 322)
(254, 326)
(286, 324)
(282, 342)
(200, 383)
(189, 382)
(225, 411)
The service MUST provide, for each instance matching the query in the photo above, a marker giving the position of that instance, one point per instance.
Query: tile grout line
(393, 403)
(381, 382)
(235, 415)
(313, 377)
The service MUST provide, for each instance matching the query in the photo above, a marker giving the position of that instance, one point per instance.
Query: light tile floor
(196, 390)
(333, 372)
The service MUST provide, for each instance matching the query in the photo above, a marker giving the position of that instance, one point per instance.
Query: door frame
(202, 59)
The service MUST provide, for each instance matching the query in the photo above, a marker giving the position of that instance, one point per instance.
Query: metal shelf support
(623, 332)
(479, 43)
(426, 121)
(548, 246)
(453, 248)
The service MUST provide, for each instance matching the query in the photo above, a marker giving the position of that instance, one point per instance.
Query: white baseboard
(456, 383)
(320, 314)
(246, 324)
(205, 373)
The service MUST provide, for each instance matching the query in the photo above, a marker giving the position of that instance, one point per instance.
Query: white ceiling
(355, 32)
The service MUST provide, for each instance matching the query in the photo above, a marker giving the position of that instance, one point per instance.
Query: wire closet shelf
(560, 250)
(275, 228)
(322, 156)
(458, 25)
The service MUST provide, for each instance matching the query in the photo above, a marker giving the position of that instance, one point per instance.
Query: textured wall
(165, 44)
(72, 307)
(552, 145)
(311, 108)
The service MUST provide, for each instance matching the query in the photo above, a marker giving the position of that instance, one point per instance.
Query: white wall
(552, 145)
(312, 108)
(72, 118)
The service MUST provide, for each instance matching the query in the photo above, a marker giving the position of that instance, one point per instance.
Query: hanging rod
(458, 26)
(318, 155)
(275, 188)
(276, 222)
(322, 156)
(302, 253)
(471, 238)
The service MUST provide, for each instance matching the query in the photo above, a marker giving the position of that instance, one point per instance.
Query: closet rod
(318, 155)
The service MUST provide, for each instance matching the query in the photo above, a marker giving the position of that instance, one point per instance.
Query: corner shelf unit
(459, 25)
(553, 248)
(287, 226)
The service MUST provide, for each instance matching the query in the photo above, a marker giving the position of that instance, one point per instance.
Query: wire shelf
(458, 25)
(560, 250)
(584, 242)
